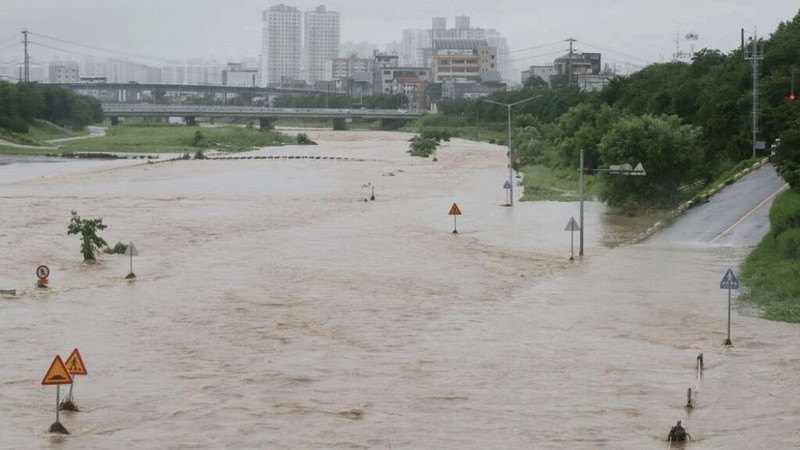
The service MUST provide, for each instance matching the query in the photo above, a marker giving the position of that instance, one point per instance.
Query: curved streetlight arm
(510, 156)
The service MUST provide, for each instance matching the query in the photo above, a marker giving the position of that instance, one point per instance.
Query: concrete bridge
(389, 118)
(146, 92)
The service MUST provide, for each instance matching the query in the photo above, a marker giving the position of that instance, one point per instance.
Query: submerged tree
(87, 229)
(426, 143)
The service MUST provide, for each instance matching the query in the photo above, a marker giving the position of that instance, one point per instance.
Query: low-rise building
(341, 68)
(238, 75)
(63, 72)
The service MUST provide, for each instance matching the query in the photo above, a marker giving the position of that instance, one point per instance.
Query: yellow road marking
(749, 213)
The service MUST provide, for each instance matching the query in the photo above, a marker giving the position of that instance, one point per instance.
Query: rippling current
(275, 306)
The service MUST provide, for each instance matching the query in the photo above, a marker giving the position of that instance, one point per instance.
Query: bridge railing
(252, 111)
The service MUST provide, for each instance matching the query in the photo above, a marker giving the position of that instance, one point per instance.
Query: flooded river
(275, 308)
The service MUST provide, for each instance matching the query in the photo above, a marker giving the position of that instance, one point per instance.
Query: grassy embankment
(39, 132)
(771, 273)
(140, 138)
(493, 133)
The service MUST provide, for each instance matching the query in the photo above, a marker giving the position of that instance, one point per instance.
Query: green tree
(670, 152)
(425, 144)
(787, 157)
(581, 128)
(534, 83)
(87, 229)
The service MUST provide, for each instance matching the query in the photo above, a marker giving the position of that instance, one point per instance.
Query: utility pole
(569, 63)
(27, 70)
(756, 54)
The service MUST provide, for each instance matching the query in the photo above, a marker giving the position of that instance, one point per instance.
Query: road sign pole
(729, 282)
(728, 341)
(58, 394)
(571, 245)
(454, 211)
(571, 227)
(580, 194)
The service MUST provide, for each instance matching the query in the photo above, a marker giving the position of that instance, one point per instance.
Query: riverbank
(770, 272)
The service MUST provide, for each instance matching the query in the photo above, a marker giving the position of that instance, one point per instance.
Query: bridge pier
(391, 124)
(266, 123)
(191, 121)
(114, 121)
(339, 124)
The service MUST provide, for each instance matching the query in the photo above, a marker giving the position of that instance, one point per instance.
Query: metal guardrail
(693, 186)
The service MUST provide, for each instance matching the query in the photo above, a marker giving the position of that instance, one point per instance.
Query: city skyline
(637, 33)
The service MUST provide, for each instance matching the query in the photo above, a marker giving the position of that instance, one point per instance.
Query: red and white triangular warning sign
(454, 211)
(75, 365)
(57, 374)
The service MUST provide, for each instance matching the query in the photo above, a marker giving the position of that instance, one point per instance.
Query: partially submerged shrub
(303, 139)
(119, 249)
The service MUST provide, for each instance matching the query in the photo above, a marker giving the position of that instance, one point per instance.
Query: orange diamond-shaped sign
(57, 374)
(75, 364)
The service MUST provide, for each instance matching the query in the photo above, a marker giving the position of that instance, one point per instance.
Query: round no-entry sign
(42, 272)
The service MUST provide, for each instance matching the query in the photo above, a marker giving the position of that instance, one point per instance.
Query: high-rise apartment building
(322, 41)
(462, 22)
(414, 41)
(281, 45)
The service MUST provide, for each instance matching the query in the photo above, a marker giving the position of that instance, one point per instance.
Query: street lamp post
(510, 156)
(624, 169)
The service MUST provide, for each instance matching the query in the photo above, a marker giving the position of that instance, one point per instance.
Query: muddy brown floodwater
(275, 308)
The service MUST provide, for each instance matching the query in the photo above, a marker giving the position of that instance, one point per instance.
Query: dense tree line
(684, 121)
(21, 103)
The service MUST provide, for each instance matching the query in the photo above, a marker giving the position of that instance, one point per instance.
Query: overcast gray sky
(635, 31)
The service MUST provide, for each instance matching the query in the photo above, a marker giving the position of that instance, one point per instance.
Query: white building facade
(322, 41)
(63, 72)
(281, 45)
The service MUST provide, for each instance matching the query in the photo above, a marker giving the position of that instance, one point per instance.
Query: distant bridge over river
(389, 118)
(146, 92)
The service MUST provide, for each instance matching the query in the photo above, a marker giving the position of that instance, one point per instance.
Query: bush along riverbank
(771, 272)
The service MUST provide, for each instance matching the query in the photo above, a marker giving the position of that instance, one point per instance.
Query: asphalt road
(737, 216)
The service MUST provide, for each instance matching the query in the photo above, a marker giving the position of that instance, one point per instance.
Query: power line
(618, 53)
(130, 55)
(557, 52)
(535, 47)
(39, 44)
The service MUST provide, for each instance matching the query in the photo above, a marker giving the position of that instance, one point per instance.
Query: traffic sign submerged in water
(729, 281)
(57, 374)
(572, 225)
(75, 365)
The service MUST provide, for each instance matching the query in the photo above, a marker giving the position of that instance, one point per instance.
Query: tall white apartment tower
(281, 45)
(462, 22)
(322, 41)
